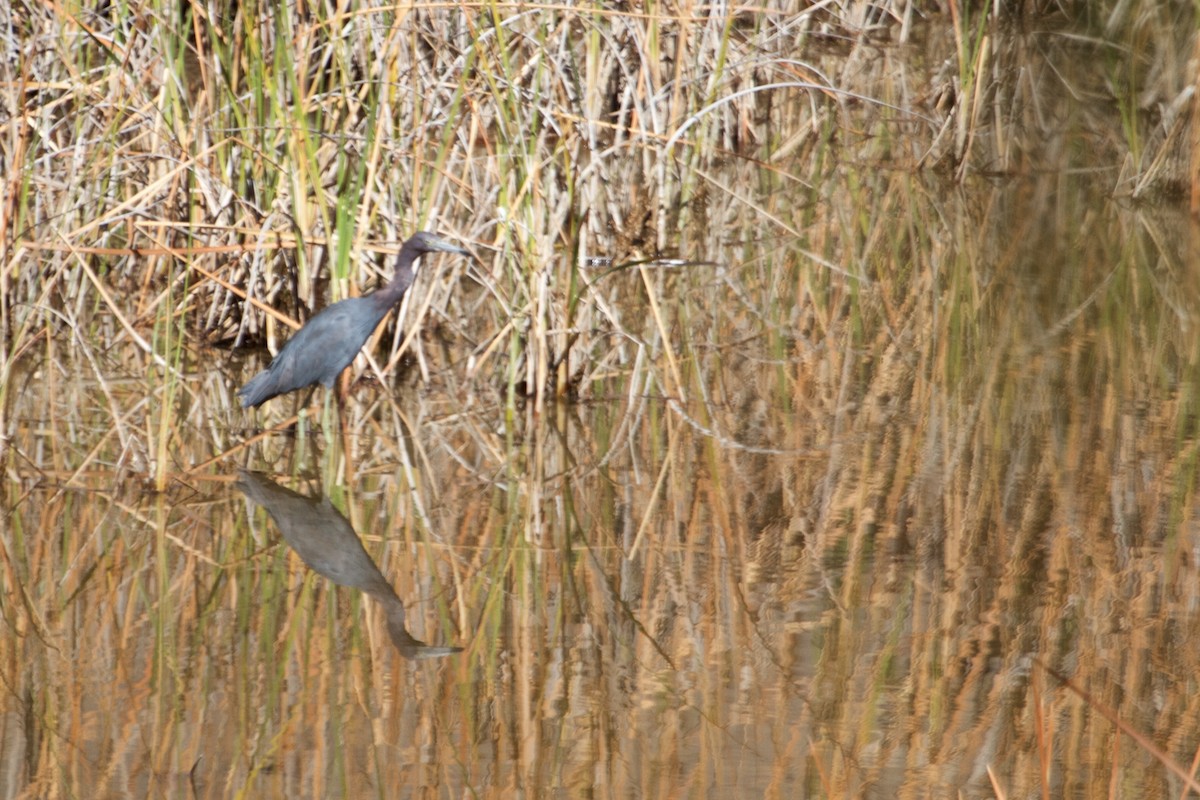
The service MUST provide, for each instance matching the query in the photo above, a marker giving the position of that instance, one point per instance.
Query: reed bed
(823, 394)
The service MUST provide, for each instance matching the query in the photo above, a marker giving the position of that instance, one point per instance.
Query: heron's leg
(308, 397)
(303, 409)
(299, 425)
(326, 429)
(325, 413)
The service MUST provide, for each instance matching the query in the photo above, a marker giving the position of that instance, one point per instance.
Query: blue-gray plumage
(329, 342)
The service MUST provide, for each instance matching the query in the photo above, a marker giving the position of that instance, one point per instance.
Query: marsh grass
(805, 391)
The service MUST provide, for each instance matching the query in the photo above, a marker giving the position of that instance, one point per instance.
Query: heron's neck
(405, 273)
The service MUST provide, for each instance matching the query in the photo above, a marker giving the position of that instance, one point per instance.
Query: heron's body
(319, 351)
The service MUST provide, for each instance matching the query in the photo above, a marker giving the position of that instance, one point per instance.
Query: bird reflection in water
(323, 538)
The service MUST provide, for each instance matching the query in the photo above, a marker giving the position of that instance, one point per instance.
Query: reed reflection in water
(326, 542)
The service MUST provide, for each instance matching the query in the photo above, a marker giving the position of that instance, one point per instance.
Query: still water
(806, 535)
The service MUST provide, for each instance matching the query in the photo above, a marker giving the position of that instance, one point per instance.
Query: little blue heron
(329, 341)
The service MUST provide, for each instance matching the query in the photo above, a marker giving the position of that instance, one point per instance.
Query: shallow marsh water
(823, 548)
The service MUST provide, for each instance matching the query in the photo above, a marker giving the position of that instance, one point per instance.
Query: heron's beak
(441, 245)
